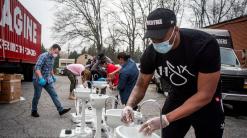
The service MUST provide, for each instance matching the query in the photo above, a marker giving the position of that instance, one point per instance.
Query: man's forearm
(52, 72)
(117, 70)
(38, 73)
(139, 90)
(207, 85)
(135, 97)
(190, 106)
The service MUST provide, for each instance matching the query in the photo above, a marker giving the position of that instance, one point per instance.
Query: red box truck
(20, 39)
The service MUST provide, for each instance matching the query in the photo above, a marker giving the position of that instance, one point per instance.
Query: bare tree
(127, 23)
(175, 5)
(207, 12)
(198, 7)
(218, 10)
(145, 7)
(80, 20)
(239, 8)
(113, 38)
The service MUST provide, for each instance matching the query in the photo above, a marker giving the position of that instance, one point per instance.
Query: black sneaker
(64, 111)
(35, 114)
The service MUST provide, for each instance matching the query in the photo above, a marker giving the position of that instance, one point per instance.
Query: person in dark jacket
(127, 76)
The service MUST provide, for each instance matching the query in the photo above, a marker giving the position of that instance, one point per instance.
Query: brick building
(238, 30)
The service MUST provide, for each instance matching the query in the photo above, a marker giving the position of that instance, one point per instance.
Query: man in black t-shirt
(189, 60)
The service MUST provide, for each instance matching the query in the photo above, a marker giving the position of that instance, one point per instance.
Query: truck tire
(28, 72)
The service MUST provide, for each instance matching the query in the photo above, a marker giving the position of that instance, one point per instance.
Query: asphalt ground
(16, 122)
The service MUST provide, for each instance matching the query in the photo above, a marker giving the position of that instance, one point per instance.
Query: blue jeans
(51, 91)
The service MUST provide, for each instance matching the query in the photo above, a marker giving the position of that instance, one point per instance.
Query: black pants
(73, 80)
(208, 122)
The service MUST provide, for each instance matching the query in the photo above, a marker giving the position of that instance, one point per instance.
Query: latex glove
(54, 78)
(41, 81)
(153, 124)
(127, 115)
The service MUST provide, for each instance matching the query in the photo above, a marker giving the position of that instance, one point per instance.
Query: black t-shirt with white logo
(197, 52)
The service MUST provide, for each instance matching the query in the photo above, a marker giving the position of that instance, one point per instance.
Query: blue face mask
(165, 46)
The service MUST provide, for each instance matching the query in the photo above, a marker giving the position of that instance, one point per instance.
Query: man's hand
(153, 124)
(111, 76)
(127, 115)
(139, 90)
(112, 87)
(41, 81)
(54, 78)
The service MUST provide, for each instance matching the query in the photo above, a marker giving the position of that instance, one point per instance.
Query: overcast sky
(43, 11)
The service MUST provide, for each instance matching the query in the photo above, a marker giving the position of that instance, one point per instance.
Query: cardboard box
(18, 76)
(12, 77)
(11, 91)
(9, 77)
(1, 78)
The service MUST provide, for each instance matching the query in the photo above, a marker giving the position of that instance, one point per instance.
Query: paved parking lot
(16, 122)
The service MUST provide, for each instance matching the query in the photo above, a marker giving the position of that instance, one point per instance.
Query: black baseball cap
(158, 23)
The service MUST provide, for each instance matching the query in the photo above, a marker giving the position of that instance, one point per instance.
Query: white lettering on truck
(18, 25)
(222, 41)
(21, 25)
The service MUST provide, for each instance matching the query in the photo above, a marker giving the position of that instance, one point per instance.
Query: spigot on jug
(158, 105)
(110, 97)
(138, 119)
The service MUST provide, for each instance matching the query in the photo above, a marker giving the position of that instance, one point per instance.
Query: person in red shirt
(112, 73)
(112, 76)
